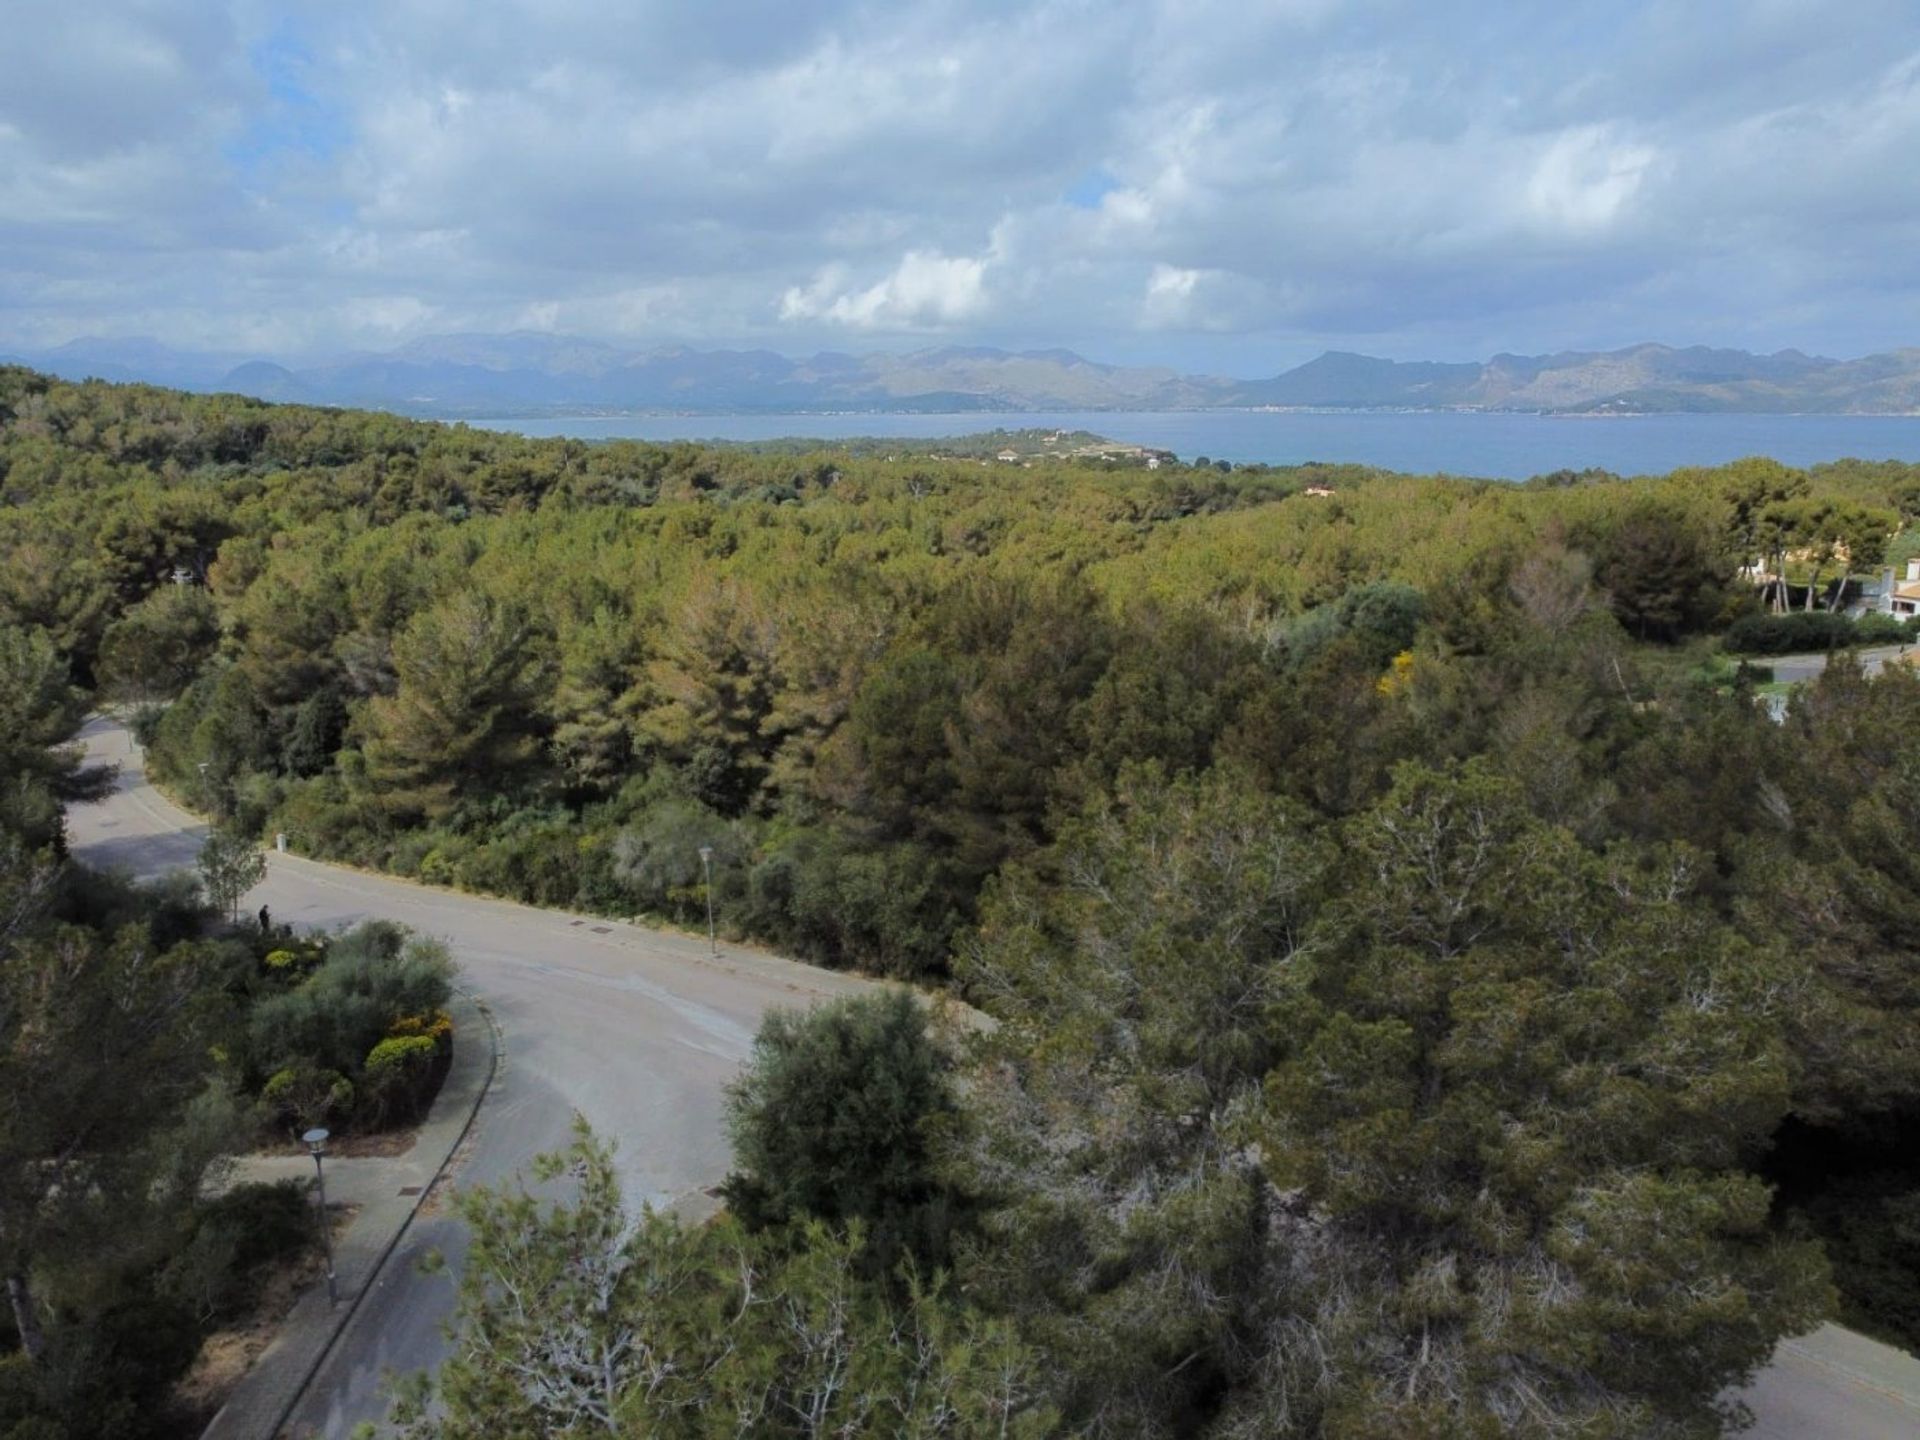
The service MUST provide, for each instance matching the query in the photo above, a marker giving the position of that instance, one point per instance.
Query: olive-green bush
(314, 1041)
(837, 1118)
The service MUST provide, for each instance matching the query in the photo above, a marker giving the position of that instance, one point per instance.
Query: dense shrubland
(576, 1318)
(1413, 967)
(1800, 632)
(347, 1029)
(819, 1304)
(113, 1006)
(552, 670)
(137, 1035)
(141, 1043)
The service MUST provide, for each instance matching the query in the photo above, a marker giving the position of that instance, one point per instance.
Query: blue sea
(1506, 447)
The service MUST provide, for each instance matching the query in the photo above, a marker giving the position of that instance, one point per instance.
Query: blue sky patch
(294, 121)
(1091, 188)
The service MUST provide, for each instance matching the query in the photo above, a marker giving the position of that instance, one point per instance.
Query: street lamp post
(706, 865)
(317, 1147)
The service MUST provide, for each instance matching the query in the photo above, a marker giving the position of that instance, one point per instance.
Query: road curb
(266, 1397)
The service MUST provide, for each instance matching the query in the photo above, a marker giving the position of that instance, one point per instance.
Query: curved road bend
(640, 1031)
(1796, 668)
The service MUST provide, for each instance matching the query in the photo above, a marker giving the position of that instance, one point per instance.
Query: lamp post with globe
(706, 866)
(317, 1147)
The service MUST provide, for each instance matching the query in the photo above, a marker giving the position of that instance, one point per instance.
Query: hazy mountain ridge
(535, 372)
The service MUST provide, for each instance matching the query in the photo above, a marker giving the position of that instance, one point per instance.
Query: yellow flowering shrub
(1399, 677)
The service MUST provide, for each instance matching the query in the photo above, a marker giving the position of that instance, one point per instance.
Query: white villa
(1888, 596)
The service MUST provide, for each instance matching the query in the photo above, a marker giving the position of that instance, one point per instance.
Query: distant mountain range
(530, 373)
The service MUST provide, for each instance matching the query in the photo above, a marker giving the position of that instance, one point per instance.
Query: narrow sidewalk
(388, 1192)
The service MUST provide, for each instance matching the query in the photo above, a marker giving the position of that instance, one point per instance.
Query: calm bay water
(1508, 447)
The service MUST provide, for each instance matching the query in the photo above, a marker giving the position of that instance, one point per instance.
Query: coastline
(1494, 444)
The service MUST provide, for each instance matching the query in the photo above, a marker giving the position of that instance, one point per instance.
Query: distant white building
(1904, 598)
(1890, 596)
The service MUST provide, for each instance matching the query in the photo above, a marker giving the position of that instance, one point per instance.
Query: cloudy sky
(1226, 185)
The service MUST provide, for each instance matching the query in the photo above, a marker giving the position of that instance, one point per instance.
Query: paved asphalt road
(637, 1030)
(640, 1031)
(1795, 668)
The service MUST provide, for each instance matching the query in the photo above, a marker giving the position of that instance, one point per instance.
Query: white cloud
(1126, 208)
(1169, 296)
(926, 290)
(541, 315)
(1585, 179)
(1396, 174)
(389, 314)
